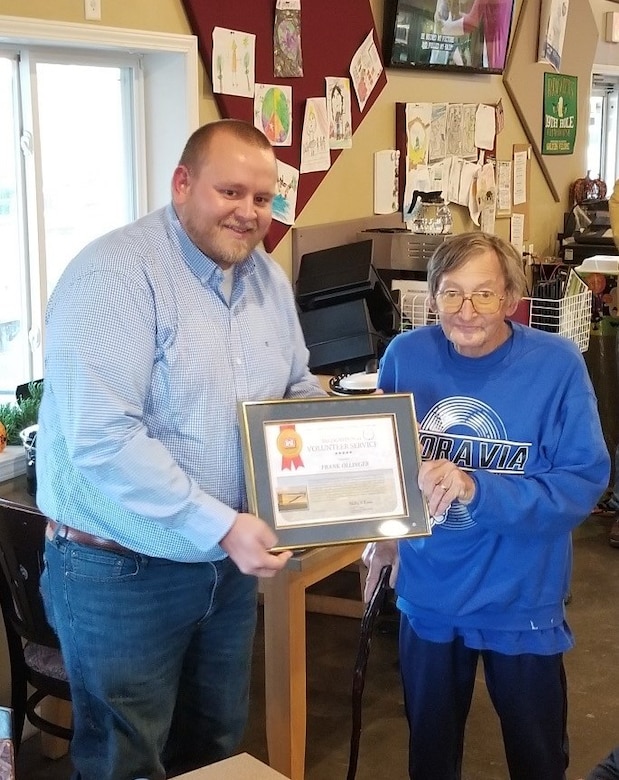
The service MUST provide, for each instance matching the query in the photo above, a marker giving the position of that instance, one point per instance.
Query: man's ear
(181, 181)
(511, 305)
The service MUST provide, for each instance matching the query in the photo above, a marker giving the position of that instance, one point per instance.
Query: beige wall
(346, 192)
(607, 53)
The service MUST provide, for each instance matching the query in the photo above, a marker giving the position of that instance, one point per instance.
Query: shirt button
(238, 361)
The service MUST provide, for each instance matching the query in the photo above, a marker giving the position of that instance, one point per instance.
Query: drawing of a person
(234, 60)
(362, 84)
(311, 141)
(337, 112)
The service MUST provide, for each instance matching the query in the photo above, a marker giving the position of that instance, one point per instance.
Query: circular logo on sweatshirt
(470, 434)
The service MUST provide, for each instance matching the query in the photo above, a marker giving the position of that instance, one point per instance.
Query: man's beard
(218, 243)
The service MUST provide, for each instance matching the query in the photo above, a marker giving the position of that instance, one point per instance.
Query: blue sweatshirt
(523, 422)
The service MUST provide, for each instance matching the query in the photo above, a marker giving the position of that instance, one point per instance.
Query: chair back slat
(22, 541)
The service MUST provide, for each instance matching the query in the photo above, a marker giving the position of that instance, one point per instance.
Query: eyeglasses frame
(499, 298)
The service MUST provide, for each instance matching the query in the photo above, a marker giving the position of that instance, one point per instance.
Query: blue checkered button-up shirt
(145, 364)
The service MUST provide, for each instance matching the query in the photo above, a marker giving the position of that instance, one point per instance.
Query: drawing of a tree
(220, 67)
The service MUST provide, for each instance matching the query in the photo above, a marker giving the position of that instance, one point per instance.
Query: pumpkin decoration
(585, 189)
(2, 437)
(596, 283)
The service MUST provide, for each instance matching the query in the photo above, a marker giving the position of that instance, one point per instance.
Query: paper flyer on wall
(386, 164)
(553, 21)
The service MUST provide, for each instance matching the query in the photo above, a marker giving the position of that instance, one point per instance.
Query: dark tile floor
(332, 646)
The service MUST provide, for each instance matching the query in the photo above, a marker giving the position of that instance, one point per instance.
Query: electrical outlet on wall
(92, 10)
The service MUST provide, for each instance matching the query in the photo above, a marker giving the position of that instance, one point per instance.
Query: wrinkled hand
(248, 543)
(442, 483)
(375, 556)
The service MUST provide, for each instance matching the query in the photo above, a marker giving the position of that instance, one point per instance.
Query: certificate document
(334, 470)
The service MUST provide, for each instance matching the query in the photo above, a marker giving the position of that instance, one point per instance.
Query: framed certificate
(325, 471)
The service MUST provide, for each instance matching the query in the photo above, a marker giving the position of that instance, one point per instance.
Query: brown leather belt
(81, 537)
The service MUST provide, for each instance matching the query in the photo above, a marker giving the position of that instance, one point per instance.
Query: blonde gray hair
(459, 249)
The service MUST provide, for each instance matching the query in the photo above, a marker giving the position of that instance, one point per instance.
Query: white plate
(361, 381)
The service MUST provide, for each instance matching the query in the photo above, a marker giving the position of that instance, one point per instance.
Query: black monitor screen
(338, 275)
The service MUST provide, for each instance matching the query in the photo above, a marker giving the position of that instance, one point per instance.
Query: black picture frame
(326, 471)
(412, 37)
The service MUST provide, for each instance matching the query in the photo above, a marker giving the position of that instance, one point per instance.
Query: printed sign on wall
(560, 113)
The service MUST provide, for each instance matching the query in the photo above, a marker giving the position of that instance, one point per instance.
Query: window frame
(168, 92)
(610, 126)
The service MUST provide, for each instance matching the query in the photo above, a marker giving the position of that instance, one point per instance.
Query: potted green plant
(19, 415)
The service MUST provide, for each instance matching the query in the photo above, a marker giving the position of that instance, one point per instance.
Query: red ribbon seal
(289, 444)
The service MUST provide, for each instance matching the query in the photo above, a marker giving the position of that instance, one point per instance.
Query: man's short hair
(197, 145)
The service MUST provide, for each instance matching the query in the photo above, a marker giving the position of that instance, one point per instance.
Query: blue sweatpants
(528, 693)
(608, 769)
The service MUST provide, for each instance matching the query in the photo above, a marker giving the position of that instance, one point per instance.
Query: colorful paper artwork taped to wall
(339, 110)
(234, 62)
(285, 201)
(273, 113)
(365, 69)
(287, 57)
(315, 153)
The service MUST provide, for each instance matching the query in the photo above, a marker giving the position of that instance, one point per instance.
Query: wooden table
(285, 648)
(285, 604)
(241, 767)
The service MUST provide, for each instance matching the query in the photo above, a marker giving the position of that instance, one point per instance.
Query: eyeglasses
(483, 301)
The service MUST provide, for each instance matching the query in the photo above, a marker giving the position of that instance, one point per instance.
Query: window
(92, 122)
(69, 127)
(603, 129)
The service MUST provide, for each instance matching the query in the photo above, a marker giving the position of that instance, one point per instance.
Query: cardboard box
(241, 767)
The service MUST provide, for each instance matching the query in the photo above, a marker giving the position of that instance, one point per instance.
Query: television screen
(455, 35)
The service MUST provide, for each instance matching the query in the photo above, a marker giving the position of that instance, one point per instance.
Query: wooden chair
(34, 653)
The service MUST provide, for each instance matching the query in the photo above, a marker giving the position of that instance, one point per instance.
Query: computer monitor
(347, 313)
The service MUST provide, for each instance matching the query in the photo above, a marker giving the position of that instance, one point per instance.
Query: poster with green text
(560, 113)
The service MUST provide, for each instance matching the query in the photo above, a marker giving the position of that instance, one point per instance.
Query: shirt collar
(201, 265)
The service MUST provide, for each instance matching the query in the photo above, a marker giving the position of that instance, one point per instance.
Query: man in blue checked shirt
(154, 333)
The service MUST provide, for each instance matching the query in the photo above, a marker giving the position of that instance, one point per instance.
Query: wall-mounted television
(456, 35)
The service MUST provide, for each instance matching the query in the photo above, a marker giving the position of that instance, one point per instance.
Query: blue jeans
(158, 656)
